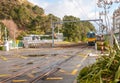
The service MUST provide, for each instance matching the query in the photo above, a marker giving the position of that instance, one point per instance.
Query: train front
(91, 38)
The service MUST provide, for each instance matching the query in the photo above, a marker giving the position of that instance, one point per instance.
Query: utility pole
(6, 41)
(5, 34)
(119, 32)
(0, 34)
(52, 26)
(101, 26)
(14, 34)
(99, 22)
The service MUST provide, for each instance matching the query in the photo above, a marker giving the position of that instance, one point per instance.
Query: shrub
(105, 70)
(1, 47)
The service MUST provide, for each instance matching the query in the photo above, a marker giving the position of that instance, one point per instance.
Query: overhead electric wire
(80, 8)
(95, 9)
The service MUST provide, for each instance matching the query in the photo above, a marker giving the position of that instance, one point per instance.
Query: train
(91, 38)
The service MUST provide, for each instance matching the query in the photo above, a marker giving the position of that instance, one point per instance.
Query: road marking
(23, 57)
(5, 75)
(81, 55)
(78, 65)
(65, 72)
(65, 56)
(61, 70)
(30, 75)
(19, 80)
(54, 78)
(82, 61)
(74, 72)
(89, 50)
(20, 56)
(4, 58)
(84, 58)
(33, 72)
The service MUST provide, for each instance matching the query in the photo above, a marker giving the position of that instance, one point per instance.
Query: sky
(83, 9)
(78, 8)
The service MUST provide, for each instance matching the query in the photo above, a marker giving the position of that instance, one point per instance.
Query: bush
(1, 47)
(105, 70)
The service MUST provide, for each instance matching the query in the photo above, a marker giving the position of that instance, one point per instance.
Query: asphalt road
(68, 70)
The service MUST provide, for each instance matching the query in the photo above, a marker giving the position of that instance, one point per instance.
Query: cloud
(40, 3)
(83, 9)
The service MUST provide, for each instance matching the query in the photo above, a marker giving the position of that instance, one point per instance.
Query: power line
(80, 8)
(95, 8)
(83, 12)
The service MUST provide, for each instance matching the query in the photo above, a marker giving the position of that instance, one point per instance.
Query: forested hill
(28, 17)
(21, 17)
(21, 11)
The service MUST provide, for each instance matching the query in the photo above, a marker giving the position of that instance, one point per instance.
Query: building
(116, 23)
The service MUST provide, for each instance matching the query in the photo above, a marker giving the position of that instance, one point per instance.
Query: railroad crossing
(39, 66)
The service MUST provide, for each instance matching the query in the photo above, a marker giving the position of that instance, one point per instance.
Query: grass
(65, 42)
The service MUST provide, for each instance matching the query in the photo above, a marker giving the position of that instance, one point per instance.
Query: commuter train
(91, 38)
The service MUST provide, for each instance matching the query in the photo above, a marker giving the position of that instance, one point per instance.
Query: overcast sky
(84, 9)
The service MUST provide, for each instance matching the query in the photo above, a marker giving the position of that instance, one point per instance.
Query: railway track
(55, 67)
(41, 72)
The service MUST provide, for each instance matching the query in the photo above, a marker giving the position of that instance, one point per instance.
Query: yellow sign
(17, 41)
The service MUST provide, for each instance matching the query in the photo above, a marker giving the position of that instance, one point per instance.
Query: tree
(77, 30)
(37, 10)
(71, 30)
(86, 27)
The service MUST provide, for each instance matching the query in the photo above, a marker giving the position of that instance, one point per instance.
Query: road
(15, 61)
(68, 71)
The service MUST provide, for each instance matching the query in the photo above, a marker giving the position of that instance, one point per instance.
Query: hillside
(21, 11)
(24, 16)
(21, 18)
(12, 28)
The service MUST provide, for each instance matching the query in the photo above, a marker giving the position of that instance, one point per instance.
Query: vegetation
(2, 32)
(1, 47)
(105, 70)
(31, 19)
(76, 31)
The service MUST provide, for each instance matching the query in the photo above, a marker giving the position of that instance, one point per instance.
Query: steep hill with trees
(29, 18)
(21, 17)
